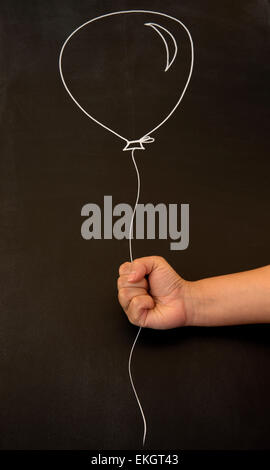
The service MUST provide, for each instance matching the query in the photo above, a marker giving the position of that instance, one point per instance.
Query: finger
(125, 268)
(138, 309)
(141, 267)
(123, 282)
(126, 294)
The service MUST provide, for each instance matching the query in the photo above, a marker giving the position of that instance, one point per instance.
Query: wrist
(193, 302)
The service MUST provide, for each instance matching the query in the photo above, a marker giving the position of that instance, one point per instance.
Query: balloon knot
(138, 144)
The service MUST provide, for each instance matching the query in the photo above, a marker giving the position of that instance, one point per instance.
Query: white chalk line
(135, 144)
(140, 328)
(119, 13)
(157, 28)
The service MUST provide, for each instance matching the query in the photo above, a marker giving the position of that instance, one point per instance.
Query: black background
(64, 341)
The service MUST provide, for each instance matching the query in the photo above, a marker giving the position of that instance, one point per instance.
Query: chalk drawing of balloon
(128, 71)
(123, 64)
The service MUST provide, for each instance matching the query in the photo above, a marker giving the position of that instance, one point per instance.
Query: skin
(154, 295)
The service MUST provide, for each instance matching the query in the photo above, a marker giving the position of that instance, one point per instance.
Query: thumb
(141, 267)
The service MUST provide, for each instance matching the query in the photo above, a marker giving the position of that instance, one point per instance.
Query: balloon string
(135, 206)
(140, 328)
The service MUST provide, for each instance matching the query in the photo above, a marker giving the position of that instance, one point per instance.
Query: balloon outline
(147, 134)
(135, 144)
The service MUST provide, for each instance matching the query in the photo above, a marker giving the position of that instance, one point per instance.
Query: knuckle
(119, 282)
(160, 259)
(135, 302)
(123, 266)
(119, 298)
(137, 261)
(133, 318)
(122, 296)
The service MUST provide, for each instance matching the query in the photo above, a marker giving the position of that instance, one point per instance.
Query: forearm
(240, 298)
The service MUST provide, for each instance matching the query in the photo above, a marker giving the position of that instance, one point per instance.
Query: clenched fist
(152, 293)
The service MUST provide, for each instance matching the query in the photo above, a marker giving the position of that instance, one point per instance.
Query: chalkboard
(64, 340)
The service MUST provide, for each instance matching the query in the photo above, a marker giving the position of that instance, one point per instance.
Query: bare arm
(153, 295)
(232, 299)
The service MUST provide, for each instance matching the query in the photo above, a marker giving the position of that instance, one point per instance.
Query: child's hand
(152, 293)
(165, 300)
